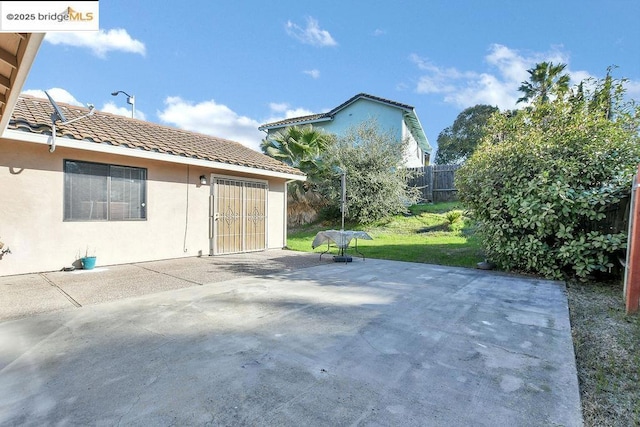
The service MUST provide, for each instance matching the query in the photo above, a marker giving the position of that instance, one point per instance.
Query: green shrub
(544, 176)
(453, 217)
(376, 180)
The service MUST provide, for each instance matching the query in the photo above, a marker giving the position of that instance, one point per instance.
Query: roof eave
(33, 42)
(414, 124)
(87, 145)
(403, 107)
(268, 127)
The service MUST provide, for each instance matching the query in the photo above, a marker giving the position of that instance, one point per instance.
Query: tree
(545, 80)
(542, 179)
(604, 95)
(457, 142)
(376, 181)
(299, 146)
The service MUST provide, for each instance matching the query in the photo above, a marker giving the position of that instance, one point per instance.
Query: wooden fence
(436, 182)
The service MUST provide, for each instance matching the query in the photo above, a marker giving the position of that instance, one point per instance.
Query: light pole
(131, 100)
(343, 188)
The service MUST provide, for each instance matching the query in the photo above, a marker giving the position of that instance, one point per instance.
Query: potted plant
(88, 261)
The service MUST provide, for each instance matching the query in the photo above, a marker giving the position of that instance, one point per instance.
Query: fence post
(632, 270)
(429, 170)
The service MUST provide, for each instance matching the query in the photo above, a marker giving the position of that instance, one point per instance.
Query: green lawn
(424, 236)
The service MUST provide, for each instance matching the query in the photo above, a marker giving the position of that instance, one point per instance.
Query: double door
(238, 216)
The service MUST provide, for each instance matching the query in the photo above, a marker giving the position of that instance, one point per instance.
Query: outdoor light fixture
(131, 100)
(203, 180)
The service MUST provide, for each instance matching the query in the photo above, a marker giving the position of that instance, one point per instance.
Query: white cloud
(313, 73)
(633, 88)
(58, 95)
(111, 107)
(498, 86)
(281, 111)
(297, 112)
(99, 42)
(312, 34)
(379, 32)
(278, 106)
(211, 118)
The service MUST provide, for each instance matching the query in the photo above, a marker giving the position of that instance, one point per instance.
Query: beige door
(239, 216)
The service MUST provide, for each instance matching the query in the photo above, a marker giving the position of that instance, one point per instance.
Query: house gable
(390, 115)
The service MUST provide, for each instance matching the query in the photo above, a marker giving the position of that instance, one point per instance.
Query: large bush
(543, 176)
(376, 180)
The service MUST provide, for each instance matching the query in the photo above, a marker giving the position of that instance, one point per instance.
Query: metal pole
(132, 101)
(344, 196)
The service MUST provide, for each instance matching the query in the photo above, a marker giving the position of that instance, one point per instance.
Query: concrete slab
(29, 294)
(368, 343)
(25, 295)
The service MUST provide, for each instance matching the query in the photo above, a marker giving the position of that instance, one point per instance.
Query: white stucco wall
(414, 155)
(177, 224)
(276, 237)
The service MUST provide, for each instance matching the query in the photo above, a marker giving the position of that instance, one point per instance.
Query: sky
(223, 68)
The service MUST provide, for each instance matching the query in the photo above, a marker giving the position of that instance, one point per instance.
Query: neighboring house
(127, 189)
(401, 119)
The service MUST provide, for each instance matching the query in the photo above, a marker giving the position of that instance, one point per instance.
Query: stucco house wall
(177, 224)
(389, 115)
(362, 110)
(414, 154)
(180, 214)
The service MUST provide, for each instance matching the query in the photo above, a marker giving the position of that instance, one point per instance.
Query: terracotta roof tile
(34, 115)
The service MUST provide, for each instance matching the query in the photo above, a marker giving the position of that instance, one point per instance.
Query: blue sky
(225, 67)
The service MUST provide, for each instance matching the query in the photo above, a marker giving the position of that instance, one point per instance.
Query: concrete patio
(281, 338)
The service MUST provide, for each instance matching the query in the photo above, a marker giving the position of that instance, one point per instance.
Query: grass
(426, 236)
(606, 340)
(607, 347)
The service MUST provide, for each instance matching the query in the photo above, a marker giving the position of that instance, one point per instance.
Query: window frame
(109, 191)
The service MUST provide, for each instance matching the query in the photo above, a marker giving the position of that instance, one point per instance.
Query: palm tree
(545, 79)
(300, 147)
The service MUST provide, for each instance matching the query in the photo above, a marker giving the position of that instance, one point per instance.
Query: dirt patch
(607, 347)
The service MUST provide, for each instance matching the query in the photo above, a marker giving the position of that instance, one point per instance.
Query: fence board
(436, 182)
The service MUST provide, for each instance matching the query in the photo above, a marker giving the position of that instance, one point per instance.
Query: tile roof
(328, 115)
(296, 120)
(33, 115)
